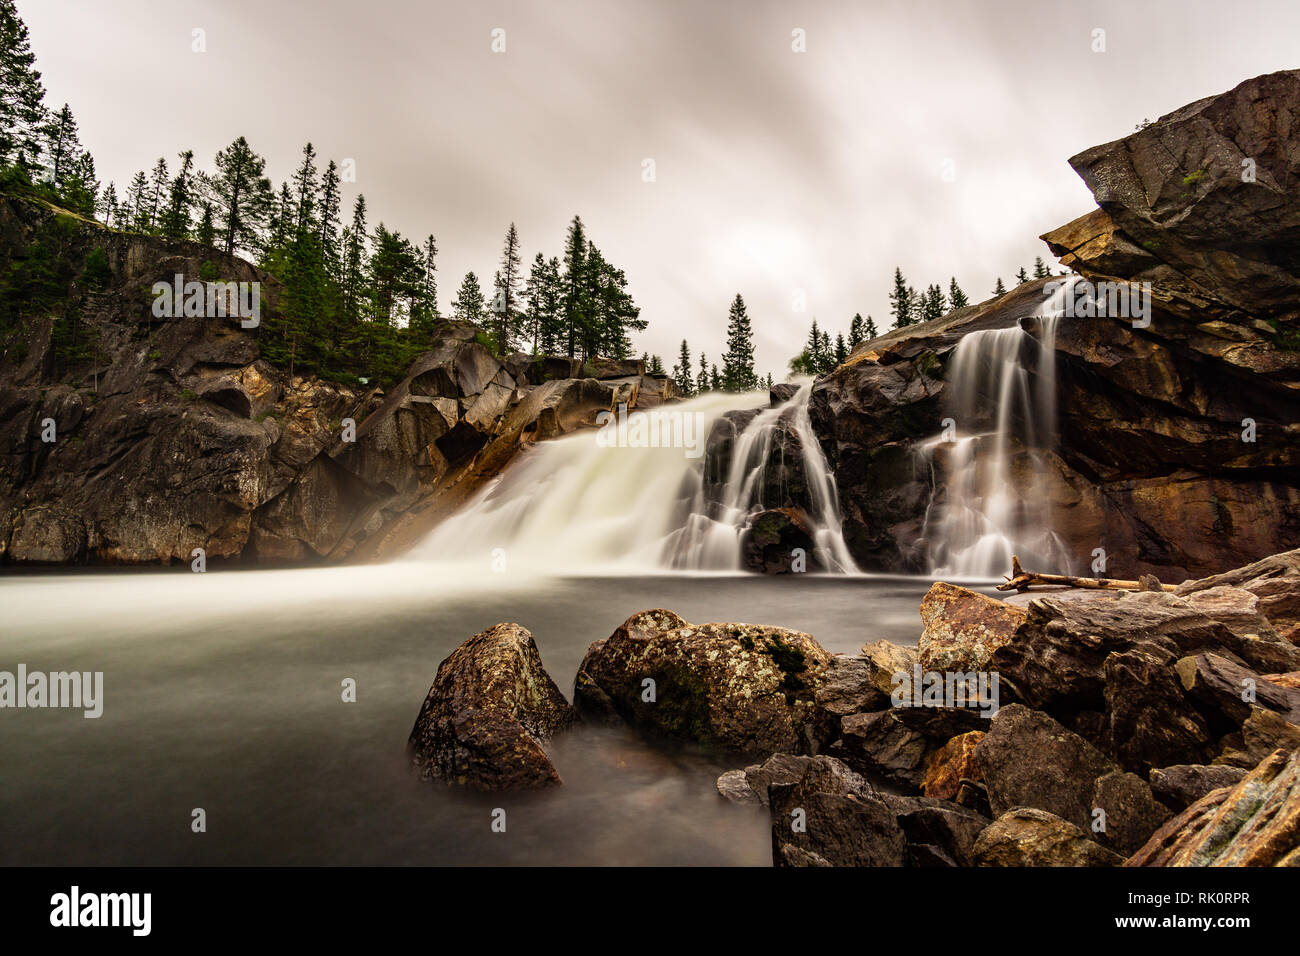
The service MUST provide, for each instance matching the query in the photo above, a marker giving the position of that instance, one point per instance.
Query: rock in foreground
(738, 687)
(491, 707)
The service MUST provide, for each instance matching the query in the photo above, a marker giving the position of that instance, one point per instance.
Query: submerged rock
(491, 708)
(738, 687)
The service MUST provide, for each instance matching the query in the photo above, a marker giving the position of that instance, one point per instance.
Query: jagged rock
(938, 833)
(1179, 786)
(1275, 581)
(895, 743)
(1253, 823)
(1147, 721)
(832, 816)
(1030, 760)
(1235, 608)
(750, 786)
(1263, 732)
(740, 687)
(782, 392)
(486, 717)
(1024, 836)
(963, 628)
(849, 687)
(952, 764)
(973, 795)
(1219, 686)
(885, 660)
(1132, 813)
(779, 541)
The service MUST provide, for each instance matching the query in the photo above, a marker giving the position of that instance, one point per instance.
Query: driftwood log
(1022, 580)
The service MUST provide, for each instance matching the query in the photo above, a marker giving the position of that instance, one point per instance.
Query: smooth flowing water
(1001, 425)
(222, 691)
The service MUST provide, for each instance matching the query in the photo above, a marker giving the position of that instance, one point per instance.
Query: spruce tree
(999, 289)
(468, 306)
(870, 329)
(738, 360)
(1022, 276)
(715, 380)
(857, 331)
(304, 192)
(702, 378)
(108, 206)
(62, 146)
(207, 233)
(902, 301)
(134, 214)
(956, 297)
(841, 350)
(175, 220)
(330, 210)
(158, 187)
(507, 308)
(22, 95)
(682, 371)
(932, 303)
(1040, 268)
(241, 195)
(577, 306)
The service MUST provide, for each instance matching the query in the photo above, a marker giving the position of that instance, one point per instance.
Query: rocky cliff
(1176, 449)
(171, 434)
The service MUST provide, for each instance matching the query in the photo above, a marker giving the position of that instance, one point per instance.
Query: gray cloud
(776, 171)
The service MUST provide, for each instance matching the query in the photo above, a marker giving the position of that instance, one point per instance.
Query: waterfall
(759, 476)
(999, 431)
(588, 503)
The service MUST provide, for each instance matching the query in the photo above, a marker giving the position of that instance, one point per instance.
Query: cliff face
(170, 434)
(1152, 462)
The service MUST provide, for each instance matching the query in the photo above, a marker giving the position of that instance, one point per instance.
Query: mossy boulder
(742, 688)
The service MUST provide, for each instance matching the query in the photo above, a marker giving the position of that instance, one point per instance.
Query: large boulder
(1256, 822)
(737, 687)
(1274, 580)
(488, 715)
(963, 628)
(1024, 836)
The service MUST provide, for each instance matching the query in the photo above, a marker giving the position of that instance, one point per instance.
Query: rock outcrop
(736, 687)
(1176, 449)
(1253, 823)
(176, 434)
(487, 716)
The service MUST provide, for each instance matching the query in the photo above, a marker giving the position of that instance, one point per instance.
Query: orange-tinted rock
(963, 628)
(951, 763)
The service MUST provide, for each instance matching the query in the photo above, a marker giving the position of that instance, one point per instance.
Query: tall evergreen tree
(1040, 268)
(175, 220)
(206, 234)
(1022, 276)
(241, 195)
(62, 145)
(135, 211)
(841, 350)
(329, 222)
(577, 305)
(304, 191)
(22, 95)
(702, 378)
(108, 205)
(857, 331)
(870, 329)
(506, 309)
(956, 297)
(999, 289)
(902, 301)
(715, 380)
(932, 303)
(682, 371)
(738, 360)
(158, 187)
(468, 306)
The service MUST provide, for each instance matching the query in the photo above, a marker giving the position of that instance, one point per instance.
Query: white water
(576, 505)
(996, 502)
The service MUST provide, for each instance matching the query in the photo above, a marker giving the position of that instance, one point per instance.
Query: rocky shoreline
(1060, 728)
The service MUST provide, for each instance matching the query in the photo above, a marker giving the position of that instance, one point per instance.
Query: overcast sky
(775, 171)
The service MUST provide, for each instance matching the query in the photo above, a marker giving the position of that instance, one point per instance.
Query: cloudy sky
(776, 172)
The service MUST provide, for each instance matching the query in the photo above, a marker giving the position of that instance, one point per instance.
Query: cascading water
(586, 504)
(1001, 428)
(770, 453)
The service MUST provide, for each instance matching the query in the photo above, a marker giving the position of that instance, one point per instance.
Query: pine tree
(655, 366)
(813, 348)
(1022, 276)
(353, 290)
(108, 206)
(870, 329)
(241, 196)
(841, 350)
(702, 378)
(22, 95)
(682, 371)
(715, 380)
(468, 306)
(956, 298)
(175, 219)
(80, 185)
(1040, 268)
(304, 192)
(857, 331)
(932, 304)
(999, 289)
(506, 308)
(330, 207)
(158, 186)
(577, 306)
(902, 301)
(207, 233)
(135, 209)
(738, 360)
(62, 146)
